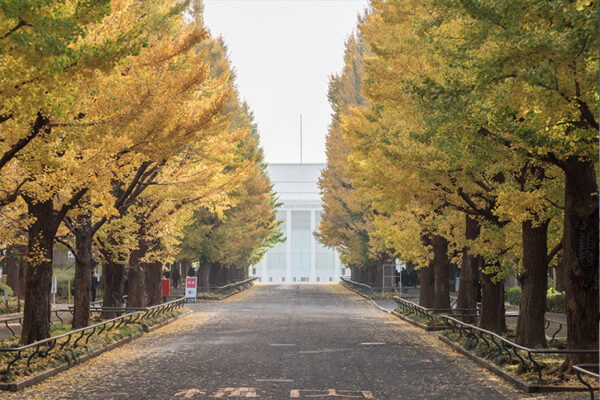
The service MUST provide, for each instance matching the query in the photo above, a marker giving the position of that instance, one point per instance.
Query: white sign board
(190, 288)
(53, 290)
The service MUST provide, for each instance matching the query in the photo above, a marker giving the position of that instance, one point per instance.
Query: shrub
(513, 295)
(555, 302)
(5, 289)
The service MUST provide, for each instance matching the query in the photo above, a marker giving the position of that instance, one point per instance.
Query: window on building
(300, 242)
(276, 257)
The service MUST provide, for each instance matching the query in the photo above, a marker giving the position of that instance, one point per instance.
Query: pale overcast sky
(284, 52)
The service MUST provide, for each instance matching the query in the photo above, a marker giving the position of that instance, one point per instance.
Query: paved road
(279, 342)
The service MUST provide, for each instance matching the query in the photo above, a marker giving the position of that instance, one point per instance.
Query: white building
(301, 258)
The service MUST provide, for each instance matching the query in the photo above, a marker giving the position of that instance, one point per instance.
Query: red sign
(166, 287)
(190, 288)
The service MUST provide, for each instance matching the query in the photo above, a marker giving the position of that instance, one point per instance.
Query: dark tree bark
(580, 258)
(12, 268)
(441, 272)
(185, 266)
(469, 272)
(84, 264)
(427, 291)
(112, 276)
(378, 278)
(204, 276)
(492, 304)
(534, 284)
(136, 296)
(559, 276)
(23, 268)
(153, 283)
(36, 313)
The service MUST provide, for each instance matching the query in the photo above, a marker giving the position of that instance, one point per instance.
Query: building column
(338, 267)
(264, 269)
(313, 247)
(288, 246)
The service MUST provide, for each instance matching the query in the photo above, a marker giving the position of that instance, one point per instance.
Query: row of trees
(119, 124)
(467, 133)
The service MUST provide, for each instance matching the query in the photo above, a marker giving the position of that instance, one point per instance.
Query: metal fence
(587, 369)
(505, 346)
(431, 314)
(360, 287)
(44, 347)
(180, 291)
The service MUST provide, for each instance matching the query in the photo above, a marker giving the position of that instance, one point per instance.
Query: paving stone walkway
(281, 341)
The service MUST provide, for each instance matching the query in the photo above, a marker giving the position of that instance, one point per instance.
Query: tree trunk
(153, 283)
(12, 268)
(36, 313)
(23, 268)
(204, 277)
(534, 284)
(137, 289)
(441, 272)
(491, 315)
(469, 272)
(559, 276)
(427, 291)
(84, 264)
(580, 257)
(185, 266)
(112, 277)
(378, 278)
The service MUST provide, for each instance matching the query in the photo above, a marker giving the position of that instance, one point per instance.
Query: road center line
(278, 380)
(372, 344)
(282, 344)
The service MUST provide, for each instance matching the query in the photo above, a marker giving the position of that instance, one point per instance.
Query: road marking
(282, 344)
(236, 392)
(372, 344)
(347, 394)
(188, 394)
(322, 351)
(283, 380)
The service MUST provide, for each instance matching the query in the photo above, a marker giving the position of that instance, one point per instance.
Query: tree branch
(68, 246)
(19, 25)
(38, 126)
(554, 252)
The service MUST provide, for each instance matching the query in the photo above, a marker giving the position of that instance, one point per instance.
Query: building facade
(301, 258)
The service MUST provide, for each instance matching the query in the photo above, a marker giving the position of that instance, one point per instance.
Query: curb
(513, 380)
(25, 383)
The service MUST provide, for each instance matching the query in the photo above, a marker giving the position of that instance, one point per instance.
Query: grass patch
(56, 357)
(10, 305)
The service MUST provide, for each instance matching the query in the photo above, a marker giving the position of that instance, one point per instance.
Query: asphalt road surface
(280, 341)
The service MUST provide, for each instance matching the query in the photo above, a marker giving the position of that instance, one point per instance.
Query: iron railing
(19, 320)
(431, 314)
(44, 347)
(180, 291)
(360, 287)
(547, 323)
(234, 285)
(585, 369)
(504, 345)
